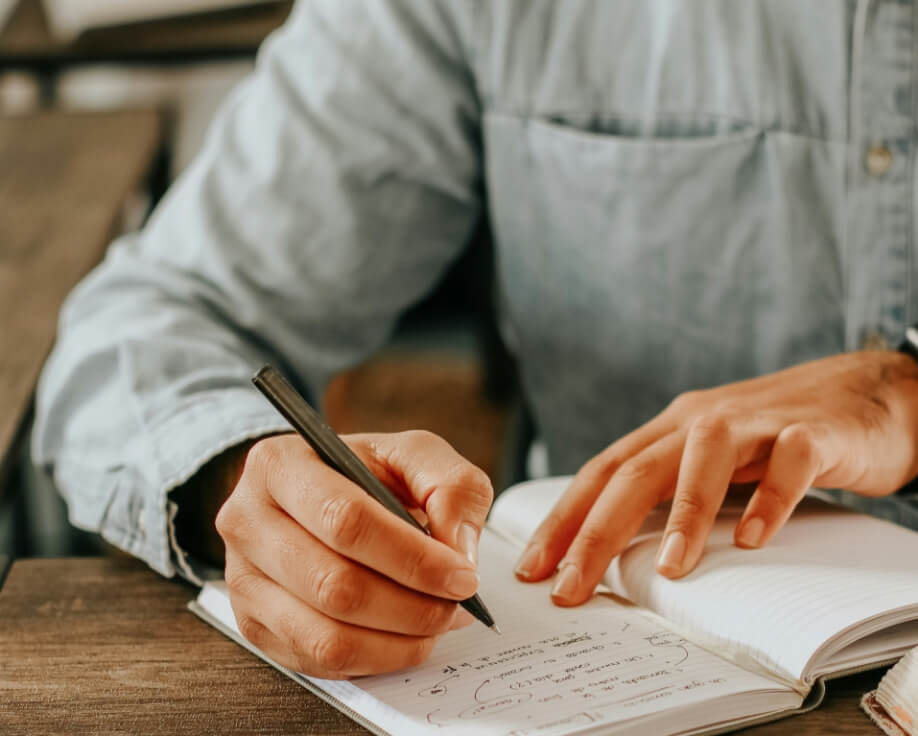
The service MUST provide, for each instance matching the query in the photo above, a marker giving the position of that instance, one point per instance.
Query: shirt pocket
(672, 262)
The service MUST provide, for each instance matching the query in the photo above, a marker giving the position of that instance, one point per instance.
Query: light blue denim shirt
(682, 194)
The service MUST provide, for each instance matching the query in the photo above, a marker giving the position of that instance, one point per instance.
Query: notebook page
(553, 670)
(827, 570)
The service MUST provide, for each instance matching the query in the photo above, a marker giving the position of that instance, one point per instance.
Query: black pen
(338, 456)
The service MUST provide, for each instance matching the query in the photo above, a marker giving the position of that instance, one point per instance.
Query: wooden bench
(27, 43)
(64, 182)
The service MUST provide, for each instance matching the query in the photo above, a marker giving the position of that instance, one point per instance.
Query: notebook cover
(878, 715)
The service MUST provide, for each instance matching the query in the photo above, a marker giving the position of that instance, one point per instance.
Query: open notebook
(748, 636)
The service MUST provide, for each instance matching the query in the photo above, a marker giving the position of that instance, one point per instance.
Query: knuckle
(242, 582)
(688, 506)
(420, 573)
(338, 592)
(774, 494)
(468, 483)
(637, 468)
(686, 401)
(344, 519)
(332, 651)
(420, 438)
(252, 629)
(590, 542)
(434, 618)
(711, 429)
(600, 466)
(478, 485)
(419, 651)
(261, 458)
(798, 439)
(227, 521)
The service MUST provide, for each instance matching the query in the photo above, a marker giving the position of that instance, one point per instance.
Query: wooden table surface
(103, 645)
(27, 42)
(64, 180)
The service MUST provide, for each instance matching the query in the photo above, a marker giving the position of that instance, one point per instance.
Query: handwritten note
(554, 669)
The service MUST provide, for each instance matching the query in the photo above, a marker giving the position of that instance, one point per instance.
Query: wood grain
(106, 646)
(64, 179)
(27, 41)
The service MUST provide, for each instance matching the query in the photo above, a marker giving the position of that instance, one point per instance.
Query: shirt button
(879, 160)
(874, 341)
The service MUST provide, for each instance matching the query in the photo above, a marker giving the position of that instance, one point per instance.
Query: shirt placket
(881, 204)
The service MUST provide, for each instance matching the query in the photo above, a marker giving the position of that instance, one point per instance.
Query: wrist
(200, 498)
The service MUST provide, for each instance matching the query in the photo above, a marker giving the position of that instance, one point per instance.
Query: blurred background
(102, 104)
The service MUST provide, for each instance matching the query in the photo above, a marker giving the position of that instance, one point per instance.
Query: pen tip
(495, 628)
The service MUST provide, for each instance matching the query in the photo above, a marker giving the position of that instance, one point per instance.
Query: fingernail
(462, 583)
(529, 561)
(567, 583)
(467, 538)
(750, 533)
(673, 552)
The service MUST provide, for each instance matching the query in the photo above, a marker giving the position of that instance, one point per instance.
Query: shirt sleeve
(336, 185)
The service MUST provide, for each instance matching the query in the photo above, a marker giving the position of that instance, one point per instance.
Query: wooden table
(105, 646)
(64, 181)
(27, 42)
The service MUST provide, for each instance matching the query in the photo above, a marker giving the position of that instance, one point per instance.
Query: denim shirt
(682, 194)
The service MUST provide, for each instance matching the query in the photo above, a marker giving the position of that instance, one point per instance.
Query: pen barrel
(476, 607)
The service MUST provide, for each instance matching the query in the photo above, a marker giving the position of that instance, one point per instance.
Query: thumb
(454, 494)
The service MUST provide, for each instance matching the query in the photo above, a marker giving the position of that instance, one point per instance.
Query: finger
(454, 494)
(800, 452)
(302, 639)
(751, 472)
(342, 516)
(336, 586)
(716, 444)
(555, 534)
(637, 486)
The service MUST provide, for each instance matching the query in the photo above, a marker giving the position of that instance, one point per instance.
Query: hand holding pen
(327, 581)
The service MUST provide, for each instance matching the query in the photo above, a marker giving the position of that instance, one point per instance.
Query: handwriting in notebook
(602, 665)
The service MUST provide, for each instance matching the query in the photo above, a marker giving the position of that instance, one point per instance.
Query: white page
(826, 571)
(554, 670)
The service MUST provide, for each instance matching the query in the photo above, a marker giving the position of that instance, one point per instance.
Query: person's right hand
(324, 580)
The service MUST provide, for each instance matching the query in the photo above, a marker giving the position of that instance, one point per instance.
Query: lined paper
(826, 572)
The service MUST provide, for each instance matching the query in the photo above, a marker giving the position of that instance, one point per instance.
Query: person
(702, 213)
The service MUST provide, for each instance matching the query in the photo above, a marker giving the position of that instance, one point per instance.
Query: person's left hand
(849, 421)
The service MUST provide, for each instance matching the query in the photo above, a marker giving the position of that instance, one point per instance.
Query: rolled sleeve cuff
(130, 505)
